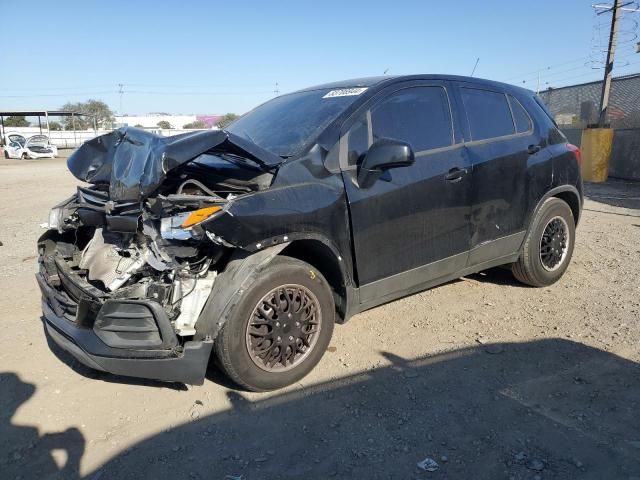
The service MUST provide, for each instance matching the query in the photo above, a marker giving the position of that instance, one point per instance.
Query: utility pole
(616, 11)
(121, 92)
(608, 68)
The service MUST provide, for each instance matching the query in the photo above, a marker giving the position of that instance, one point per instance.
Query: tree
(226, 120)
(137, 125)
(55, 126)
(197, 124)
(16, 121)
(164, 124)
(97, 108)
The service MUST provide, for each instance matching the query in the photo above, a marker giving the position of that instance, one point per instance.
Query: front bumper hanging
(124, 337)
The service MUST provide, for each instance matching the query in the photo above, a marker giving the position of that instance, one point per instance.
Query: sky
(216, 57)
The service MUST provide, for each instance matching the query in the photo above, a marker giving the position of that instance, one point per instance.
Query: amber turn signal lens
(199, 216)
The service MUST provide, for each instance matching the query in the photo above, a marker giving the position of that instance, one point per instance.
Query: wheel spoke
(257, 333)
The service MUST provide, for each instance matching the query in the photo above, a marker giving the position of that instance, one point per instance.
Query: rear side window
(488, 114)
(418, 115)
(520, 115)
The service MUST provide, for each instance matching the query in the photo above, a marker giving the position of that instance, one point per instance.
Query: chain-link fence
(577, 106)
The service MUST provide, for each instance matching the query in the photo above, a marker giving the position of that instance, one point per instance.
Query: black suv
(251, 242)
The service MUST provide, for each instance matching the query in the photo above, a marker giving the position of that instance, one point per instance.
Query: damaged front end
(125, 267)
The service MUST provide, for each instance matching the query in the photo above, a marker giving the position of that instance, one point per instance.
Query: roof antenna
(474, 67)
(385, 71)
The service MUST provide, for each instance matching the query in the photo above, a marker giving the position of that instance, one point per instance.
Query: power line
(580, 67)
(595, 74)
(138, 92)
(203, 93)
(515, 77)
(72, 94)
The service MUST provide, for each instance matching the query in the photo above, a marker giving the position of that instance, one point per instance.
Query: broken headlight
(179, 227)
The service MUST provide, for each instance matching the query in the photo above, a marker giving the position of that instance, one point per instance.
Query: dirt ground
(486, 377)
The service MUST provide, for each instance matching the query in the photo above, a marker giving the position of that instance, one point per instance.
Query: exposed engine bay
(136, 234)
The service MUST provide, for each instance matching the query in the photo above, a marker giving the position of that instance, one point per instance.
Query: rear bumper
(187, 363)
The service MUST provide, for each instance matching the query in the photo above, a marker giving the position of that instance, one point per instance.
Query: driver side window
(419, 116)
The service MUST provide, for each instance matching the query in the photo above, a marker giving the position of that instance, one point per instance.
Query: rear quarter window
(520, 115)
(488, 114)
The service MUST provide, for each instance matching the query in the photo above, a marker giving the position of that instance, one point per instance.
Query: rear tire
(548, 246)
(272, 317)
(23, 156)
(6, 155)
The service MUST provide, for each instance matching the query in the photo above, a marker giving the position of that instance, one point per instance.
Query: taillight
(576, 151)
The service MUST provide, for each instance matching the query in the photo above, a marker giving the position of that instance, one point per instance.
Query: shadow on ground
(25, 451)
(616, 193)
(546, 409)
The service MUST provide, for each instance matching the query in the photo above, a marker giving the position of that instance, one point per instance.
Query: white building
(176, 121)
(151, 120)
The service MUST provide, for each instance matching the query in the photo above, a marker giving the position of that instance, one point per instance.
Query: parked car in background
(251, 242)
(36, 146)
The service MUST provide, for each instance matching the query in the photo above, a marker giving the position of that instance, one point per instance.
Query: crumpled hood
(134, 163)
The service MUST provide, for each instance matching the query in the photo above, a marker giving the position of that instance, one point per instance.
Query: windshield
(286, 124)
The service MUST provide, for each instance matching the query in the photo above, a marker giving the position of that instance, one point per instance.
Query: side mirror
(384, 154)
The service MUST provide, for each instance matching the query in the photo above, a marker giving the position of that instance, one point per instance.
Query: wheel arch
(244, 267)
(569, 194)
(329, 263)
(572, 198)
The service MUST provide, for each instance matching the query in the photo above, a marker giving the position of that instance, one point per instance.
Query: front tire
(279, 329)
(548, 246)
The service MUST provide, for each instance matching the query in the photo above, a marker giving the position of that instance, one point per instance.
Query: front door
(412, 225)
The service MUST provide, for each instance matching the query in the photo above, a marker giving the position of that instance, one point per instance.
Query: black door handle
(455, 174)
(531, 149)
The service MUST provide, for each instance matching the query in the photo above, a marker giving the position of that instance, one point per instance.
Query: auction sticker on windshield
(345, 92)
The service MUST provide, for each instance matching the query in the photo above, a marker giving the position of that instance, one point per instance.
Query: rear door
(503, 151)
(412, 225)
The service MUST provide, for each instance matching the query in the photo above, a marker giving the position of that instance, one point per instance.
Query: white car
(37, 146)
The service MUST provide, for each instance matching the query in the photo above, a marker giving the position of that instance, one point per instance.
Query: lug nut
(277, 324)
(278, 339)
(291, 339)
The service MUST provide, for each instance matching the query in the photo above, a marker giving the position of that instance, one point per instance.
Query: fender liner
(242, 270)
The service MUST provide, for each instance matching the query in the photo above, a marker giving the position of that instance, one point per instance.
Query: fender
(344, 261)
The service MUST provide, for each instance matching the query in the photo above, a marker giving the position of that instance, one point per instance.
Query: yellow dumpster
(596, 148)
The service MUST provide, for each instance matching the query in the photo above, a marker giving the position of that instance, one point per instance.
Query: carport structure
(46, 114)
